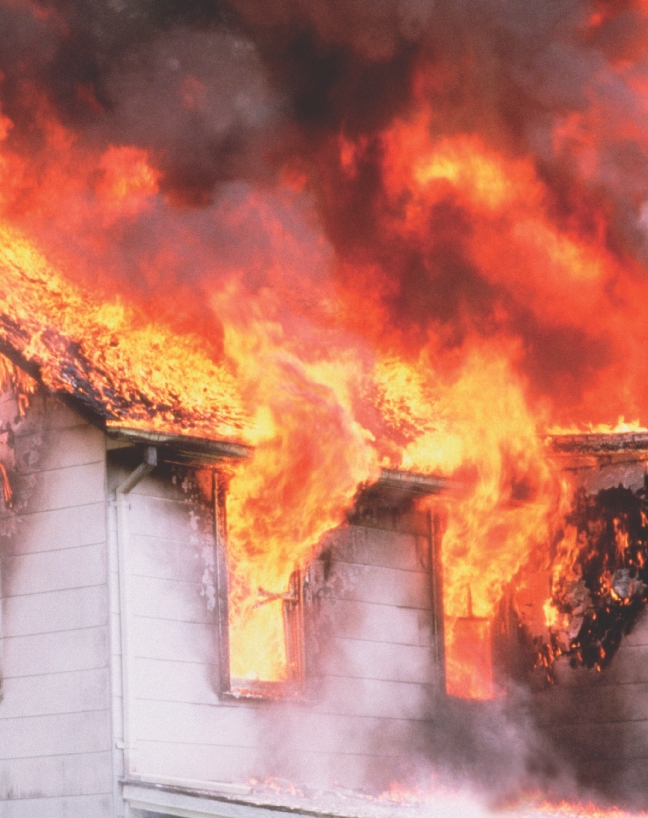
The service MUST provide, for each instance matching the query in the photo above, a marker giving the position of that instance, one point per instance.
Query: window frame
(295, 604)
(292, 614)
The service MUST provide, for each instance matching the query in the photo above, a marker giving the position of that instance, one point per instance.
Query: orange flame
(461, 413)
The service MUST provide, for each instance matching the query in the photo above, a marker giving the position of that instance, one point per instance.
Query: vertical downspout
(435, 535)
(222, 585)
(8, 503)
(2, 638)
(123, 536)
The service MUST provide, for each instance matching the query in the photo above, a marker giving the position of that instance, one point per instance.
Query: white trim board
(152, 799)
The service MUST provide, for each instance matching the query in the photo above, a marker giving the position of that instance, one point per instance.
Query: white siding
(600, 719)
(181, 728)
(374, 686)
(374, 629)
(55, 806)
(55, 718)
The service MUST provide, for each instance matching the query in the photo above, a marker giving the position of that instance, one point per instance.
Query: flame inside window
(261, 634)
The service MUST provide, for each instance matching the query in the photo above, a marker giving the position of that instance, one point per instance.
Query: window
(389, 504)
(286, 607)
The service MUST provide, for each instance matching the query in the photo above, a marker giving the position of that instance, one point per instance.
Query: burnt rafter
(586, 586)
(613, 563)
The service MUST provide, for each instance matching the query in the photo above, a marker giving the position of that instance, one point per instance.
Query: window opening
(283, 611)
(391, 499)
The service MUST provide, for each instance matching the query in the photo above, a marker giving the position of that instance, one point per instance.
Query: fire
(504, 514)
(585, 810)
(446, 799)
(108, 354)
(296, 487)
(621, 426)
(461, 803)
(126, 181)
(310, 456)
(6, 486)
(310, 415)
(432, 289)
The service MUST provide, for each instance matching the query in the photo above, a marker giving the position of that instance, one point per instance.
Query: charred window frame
(292, 603)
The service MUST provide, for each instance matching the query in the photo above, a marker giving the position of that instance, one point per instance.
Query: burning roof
(601, 444)
(113, 364)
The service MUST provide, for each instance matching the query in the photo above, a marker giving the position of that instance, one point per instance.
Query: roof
(107, 361)
(178, 448)
(259, 801)
(594, 450)
(412, 483)
(600, 443)
(130, 375)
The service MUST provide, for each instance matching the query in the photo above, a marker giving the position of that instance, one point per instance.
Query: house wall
(376, 678)
(55, 717)
(371, 682)
(599, 720)
(178, 727)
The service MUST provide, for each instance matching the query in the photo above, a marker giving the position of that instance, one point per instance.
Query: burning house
(122, 689)
(146, 671)
(320, 324)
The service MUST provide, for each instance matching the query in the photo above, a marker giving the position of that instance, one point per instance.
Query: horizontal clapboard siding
(64, 775)
(48, 611)
(599, 720)
(369, 704)
(52, 693)
(65, 651)
(55, 716)
(56, 529)
(195, 762)
(43, 806)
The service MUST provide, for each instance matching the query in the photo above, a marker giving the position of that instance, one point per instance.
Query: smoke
(547, 82)
(217, 110)
(195, 96)
(492, 751)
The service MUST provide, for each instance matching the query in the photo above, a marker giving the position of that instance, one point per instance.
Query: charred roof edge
(599, 442)
(187, 446)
